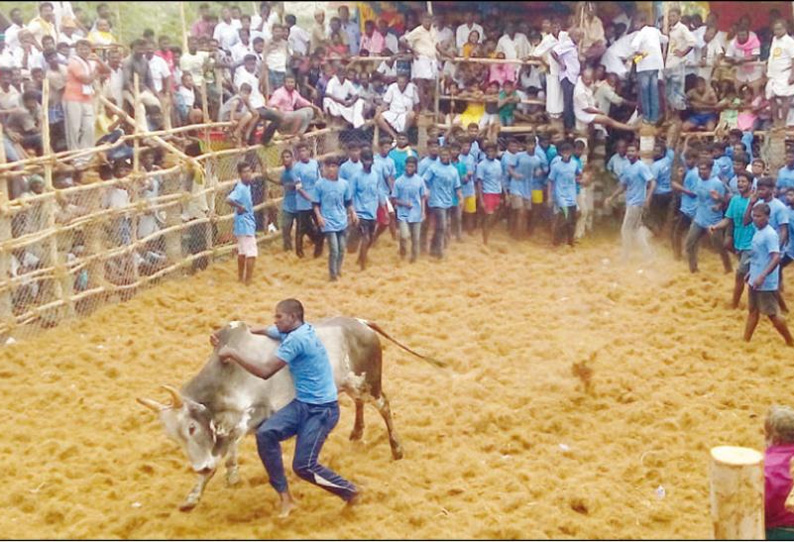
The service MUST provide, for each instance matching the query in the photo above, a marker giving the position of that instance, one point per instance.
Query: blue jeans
(437, 244)
(311, 424)
(287, 219)
(337, 241)
(648, 82)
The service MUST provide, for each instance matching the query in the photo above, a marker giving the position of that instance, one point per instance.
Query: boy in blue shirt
(367, 196)
(333, 204)
(352, 166)
(289, 210)
(711, 197)
(244, 223)
(400, 153)
(723, 165)
(740, 236)
(456, 211)
(661, 169)
(467, 189)
(387, 170)
(443, 183)
(638, 183)
(785, 176)
(307, 172)
(763, 276)
(409, 197)
(431, 158)
(489, 188)
(563, 176)
(512, 185)
(531, 169)
(618, 162)
(688, 204)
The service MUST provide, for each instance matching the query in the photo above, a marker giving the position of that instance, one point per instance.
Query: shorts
(767, 303)
(424, 68)
(488, 119)
(382, 216)
(519, 202)
(779, 88)
(470, 204)
(366, 227)
(491, 202)
(744, 263)
(786, 259)
(537, 197)
(702, 119)
(246, 246)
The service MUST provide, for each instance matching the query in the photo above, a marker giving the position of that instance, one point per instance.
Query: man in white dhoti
(342, 99)
(402, 98)
(779, 72)
(550, 31)
(422, 43)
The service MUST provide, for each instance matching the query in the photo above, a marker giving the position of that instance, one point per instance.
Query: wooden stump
(737, 493)
(648, 135)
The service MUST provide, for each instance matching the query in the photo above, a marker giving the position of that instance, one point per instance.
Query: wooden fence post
(737, 493)
(6, 305)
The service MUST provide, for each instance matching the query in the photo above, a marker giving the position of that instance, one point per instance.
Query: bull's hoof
(397, 452)
(232, 478)
(187, 506)
(356, 434)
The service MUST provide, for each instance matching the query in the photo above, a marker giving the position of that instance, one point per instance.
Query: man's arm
(262, 370)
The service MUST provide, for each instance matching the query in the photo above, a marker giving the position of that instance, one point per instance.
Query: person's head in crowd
(344, 13)
(761, 211)
(384, 145)
(704, 169)
(187, 80)
(410, 166)
(353, 151)
(717, 149)
(432, 147)
(790, 158)
(5, 78)
(138, 48)
(264, 9)
(213, 45)
(147, 158)
(331, 168)
(47, 12)
(490, 151)
(766, 188)
(369, 28)
(304, 154)
(673, 15)
(510, 30)
(402, 81)
(249, 63)
(287, 159)
(319, 17)
(744, 22)
(236, 13)
(512, 145)
(245, 36)
(164, 43)
(744, 182)
(742, 35)
(16, 17)
(411, 20)
(335, 24)
(633, 151)
(566, 151)
(289, 83)
(609, 32)
(779, 426)
(36, 184)
(102, 25)
(352, 75)
(245, 22)
(465, 145)
(691, 158)
(148, 34)
(226, 15)
(402, 140)
(83, 49)
(63, 49)
(328, 70)
(739, 162)
(443, 155)
(492, 88)
(48, 43)
(290, 20)
(695, 21)
(474, 38)
(279, 32)
(51, 58)
(192, 45)
(121, 168)
(779, 28)
(659, 150)
(587, 76)
(30, 99)
(103, 11)
(68, 26)
(758, 166)
(155, 117)
(509, 87)
(383, 28)
(259, 44)
(367, 159)
(150, 50)
(473, 130)
(534, 38)
(426, 21)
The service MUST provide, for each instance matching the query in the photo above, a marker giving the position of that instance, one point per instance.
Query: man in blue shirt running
(310, 417)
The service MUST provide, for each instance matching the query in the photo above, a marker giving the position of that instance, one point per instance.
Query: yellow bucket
(537, 196)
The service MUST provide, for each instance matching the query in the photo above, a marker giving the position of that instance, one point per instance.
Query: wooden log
(737, 493)
(647, 142)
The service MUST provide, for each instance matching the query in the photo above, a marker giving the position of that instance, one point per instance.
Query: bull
(212, 413)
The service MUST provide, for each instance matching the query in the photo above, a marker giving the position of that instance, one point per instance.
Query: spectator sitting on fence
(247, 74)
(402, 99)
(297, 111)
(239, 111)
(118, 197)
(342, 101)
(24, 126)
(138, 64)
(779, 433)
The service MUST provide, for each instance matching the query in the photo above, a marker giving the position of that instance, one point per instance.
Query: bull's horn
(175, 396)
(151, 404)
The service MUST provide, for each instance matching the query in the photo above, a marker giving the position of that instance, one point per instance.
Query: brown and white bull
(224, 402)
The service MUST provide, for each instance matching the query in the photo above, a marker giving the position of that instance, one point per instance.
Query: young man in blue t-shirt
(333, 205)
(310, 417)
(711, 200)
(244, 223)
(563, 177)
(367, 196)
(443, 182)
(289, 210)
(763, 276)
(307, 173)
(688, 204)
(409, 197)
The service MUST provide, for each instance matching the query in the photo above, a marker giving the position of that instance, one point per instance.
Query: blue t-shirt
(244, 224)
(476, 152)
(709, 210)
(467, 183)
(367, 194)
(636, 177)
(662, 170)
(410, 190)
(527, 165)
(778, 213)
(617, 164)
(307, 358)
(399, 156)
(689, 204)
(425, 163)
(350, 169)
(742, 235)
(308, 174)
(563, 175)
(384, 165)
(785, 179)
(508, 159)
(290, 203)
(722, 168)
(765, 243)
(489, 173)
(790, 247)
(332, 197)
(442, 181)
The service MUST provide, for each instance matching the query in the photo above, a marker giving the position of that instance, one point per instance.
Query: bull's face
(189, 424)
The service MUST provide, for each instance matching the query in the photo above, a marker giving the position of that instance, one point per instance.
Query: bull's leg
(382, 404)
(232, 470)
(358, 427)
(194, 496)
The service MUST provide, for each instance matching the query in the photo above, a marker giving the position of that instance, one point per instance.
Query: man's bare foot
(287, 505)
(356, 499)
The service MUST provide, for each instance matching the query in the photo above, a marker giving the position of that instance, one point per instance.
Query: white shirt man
(114, 85)
(778, 67)
(267, 29)
(713, 51)
(681, 39)
(400, 104)
(239, 50)
(194, 65)
(462, 35)
(354, 114)
(12, 37)
(226, 34)
(516, 47)
(276, 56)
(159, 69)
(257, 99)
(615, 57)
(299, 40)
(649, 41)
(445, 36)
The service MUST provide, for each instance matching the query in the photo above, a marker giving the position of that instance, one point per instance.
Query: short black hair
(767, 182)
(366, 154)
(411, 160)
(566, 147)
(242, 165)
(763, 207)
(290, 19)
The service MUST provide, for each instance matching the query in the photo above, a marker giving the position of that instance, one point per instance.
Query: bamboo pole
(62, 286)
(184, 25)
(120, 33)
(6, 304)
(737, 493)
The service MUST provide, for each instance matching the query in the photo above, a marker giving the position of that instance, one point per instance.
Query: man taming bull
(310, 416)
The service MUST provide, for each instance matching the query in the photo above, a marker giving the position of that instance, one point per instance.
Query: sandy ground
(508, 442)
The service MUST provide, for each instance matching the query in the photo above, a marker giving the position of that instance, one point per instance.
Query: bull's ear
(153, 405)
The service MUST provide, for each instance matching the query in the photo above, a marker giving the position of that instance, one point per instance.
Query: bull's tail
(377, 329)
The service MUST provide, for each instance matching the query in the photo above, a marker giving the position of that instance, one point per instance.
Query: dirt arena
(576, 388)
